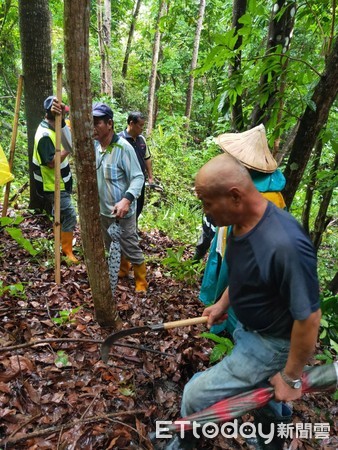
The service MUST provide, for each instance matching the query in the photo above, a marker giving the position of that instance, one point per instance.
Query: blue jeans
(253, 360)
(67, 210)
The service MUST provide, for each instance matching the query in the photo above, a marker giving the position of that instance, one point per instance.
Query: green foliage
(329, 326)
(223, 346)
(45, 250)
(66, 316)
(61, 359)
(9, 66)
(326, 356)
(16, 233)
(176, 211)
(14, 290)
(182, 269)
(127, 391)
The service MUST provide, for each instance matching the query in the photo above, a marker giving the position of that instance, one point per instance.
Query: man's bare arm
(304, 336)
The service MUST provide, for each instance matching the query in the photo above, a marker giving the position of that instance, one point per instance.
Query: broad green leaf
(217, 353)
(4, 221)
(323, 334)
(61, 359)
(245, 19)
(16, 234)
(334, 345)
(324, 322)
(213, 337)
(321, 357)
(127, 391)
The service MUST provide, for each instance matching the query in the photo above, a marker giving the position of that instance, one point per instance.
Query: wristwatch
(295, 384)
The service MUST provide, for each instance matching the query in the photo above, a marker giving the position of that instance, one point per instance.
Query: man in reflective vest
(44, 173)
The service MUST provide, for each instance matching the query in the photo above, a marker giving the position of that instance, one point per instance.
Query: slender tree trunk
(34, 18)
(333, 285)
(77, 13)
(104, 38)
(310, 125)
(157, 86)
(238, 10)
(311, 186)
(108, 88)
(193, 65)
(153, 74)
(322, 220)
(101, 44)
(130, 38)
(280, 33)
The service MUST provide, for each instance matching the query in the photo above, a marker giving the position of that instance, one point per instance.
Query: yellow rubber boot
(140, 277)
(67, 245)
(124, 267)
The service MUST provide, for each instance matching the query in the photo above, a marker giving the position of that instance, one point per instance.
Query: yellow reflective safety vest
(44, 176)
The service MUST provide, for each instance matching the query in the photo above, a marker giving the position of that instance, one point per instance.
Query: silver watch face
(297, 384)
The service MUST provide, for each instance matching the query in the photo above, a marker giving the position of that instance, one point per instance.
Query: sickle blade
(109, 341)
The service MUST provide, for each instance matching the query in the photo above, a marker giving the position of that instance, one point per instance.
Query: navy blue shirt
(140, 147)
(272, 274)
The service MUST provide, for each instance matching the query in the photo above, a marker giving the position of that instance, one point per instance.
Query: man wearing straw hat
(273, 289)
(251, 148)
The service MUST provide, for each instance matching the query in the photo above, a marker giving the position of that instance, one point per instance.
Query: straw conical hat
(249, 147)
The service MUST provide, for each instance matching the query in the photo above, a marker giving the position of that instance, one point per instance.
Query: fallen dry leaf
(37, 396)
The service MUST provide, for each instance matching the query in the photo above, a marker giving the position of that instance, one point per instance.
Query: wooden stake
(57, 162)
(13, 142)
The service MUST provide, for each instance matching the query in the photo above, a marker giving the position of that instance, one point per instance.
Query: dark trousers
(140, 202)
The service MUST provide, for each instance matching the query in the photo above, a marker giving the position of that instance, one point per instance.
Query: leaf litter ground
(60, 395)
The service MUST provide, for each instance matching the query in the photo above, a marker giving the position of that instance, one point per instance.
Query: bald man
(273, 289)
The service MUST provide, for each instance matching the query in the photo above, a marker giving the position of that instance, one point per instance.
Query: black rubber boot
(175, 443)
(266, 418)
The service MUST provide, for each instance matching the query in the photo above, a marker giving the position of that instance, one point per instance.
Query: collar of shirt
(114, 140)
(126, 134)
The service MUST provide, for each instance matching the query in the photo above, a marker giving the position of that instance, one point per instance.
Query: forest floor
(59, 394)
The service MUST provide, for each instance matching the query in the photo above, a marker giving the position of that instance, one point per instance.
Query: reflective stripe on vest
(44, 176)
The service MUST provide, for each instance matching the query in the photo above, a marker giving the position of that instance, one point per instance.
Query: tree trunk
(310, 125)
(322, 220)
(193, 65)
(104, 38)
(34, 19)
(159, 80)
(130, 38)
(77, 13)
(311, 186)
(238, 10)
(333, 285)
(280, 33)
(99, 16)
(153, 74)
(108, 88)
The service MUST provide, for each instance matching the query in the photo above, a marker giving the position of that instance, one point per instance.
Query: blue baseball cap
(47, 104)
(100, 110)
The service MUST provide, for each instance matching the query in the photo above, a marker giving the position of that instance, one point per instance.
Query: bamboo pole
(57, 162)
(13, 141)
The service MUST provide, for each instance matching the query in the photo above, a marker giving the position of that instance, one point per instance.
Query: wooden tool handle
(185, 322)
